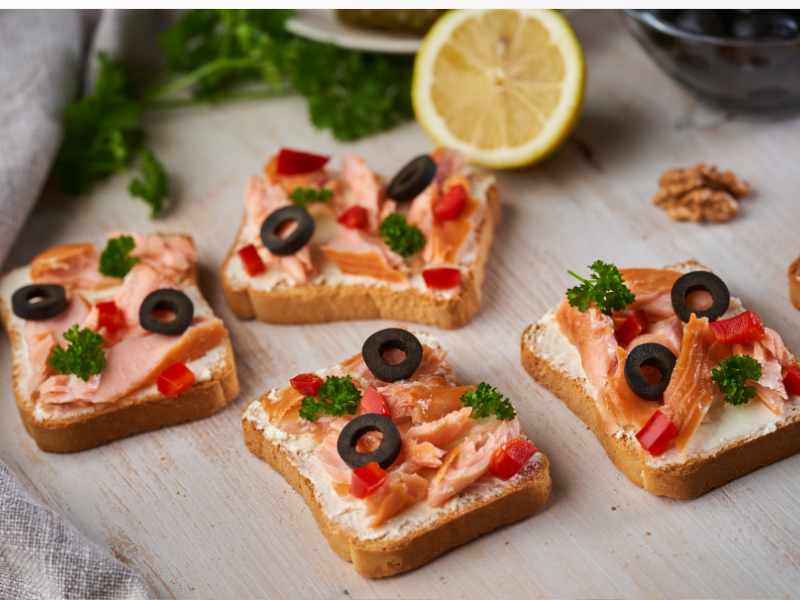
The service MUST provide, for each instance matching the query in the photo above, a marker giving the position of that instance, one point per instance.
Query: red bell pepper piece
(251, 261)
(307, 384)
(744, 328)
(631, 328)
(110, 317)
(295, 162)
(451, 204)
(509, 458)
(657, 434)
(175, 379)
(355, 217)
(791, 380)
(373, 402)
(365, 480)
(442, 278)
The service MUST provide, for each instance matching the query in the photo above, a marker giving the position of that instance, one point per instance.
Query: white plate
(323, 26)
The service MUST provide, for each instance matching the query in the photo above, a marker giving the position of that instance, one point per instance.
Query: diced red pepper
(442, 278)
(307, 384)
(744, 328)
(110, 317)
(451, 204)
(791, 380)
(373, 402)
(295, 162)
(657, 434)
(509, 458)
(355, 217)
(175, 379)
(365, 480)
(631, 327)
(251, 261)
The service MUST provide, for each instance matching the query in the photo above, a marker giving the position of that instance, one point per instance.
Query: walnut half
(700, 193)
(794, 282)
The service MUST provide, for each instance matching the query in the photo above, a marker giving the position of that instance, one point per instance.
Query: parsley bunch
(83, 357)
(337, 396)
(732, 375)
(116, 259)
(400, 236)
(605, 289)
(303, 196)
(486, 400)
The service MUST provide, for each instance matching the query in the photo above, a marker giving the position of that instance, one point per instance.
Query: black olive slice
(649, 355)
(384, 455)
(166, 300)
(299, 237)
(412, 179)
(39, 301)
(700, 280)
(392, 339)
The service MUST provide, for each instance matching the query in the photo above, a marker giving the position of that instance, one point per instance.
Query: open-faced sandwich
(317, 245)
(396, 460)
(109, 344)
(684, 387)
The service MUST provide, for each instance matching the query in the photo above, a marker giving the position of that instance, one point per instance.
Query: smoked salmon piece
(357, 253)
(652, 289)
(400, 491)
(71, 265)
(444, 431)
(423, 402)
(625, 407)
(592, 333)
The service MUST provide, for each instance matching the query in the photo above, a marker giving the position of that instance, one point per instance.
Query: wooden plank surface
(200, 517)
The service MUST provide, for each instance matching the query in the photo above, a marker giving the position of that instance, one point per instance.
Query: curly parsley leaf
(83, 356)
(732, 375)
(337, 396)
(486, 401)
(152, 185)
(400, 236)
(303, 196)
(606, 289)
(116, 259)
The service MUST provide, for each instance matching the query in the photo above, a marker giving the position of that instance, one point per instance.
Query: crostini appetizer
(111, 343)
(397, 461)
(315, 245)
(684, 387)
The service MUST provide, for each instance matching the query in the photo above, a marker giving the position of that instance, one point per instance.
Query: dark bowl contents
(738, 59)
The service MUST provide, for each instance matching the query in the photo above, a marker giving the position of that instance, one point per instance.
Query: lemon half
(502, 86)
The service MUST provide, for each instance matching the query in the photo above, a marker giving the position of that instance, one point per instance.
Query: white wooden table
(200, 517)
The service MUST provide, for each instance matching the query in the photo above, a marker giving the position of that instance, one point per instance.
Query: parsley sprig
(303, 196)
(400, 236)
(486, 401)
(732, 375)
(153, 184)
(83, 356)
(116, 259)
(337, 396)
(606, 289)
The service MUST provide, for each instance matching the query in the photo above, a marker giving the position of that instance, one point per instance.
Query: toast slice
(730, 442)
(412, 537)
(80, 426)
(328, 293)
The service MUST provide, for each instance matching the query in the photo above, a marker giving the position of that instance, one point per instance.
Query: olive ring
(38, 302)
(700, 280)
(649, 355)
(392, 339)
(412, 179)
(385, 454)
(299, 237)
(174, 301)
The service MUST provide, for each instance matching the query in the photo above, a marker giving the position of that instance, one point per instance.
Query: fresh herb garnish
(116, 259)
(337, 396)
(732, 375)
(605, 289)
(153, 184)
(486, 400)
(400, 236)
(303, 196)
(83, 357)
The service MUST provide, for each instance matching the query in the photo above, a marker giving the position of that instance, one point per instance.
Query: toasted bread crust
(686, 480)
(381, 558)
(320, 303)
